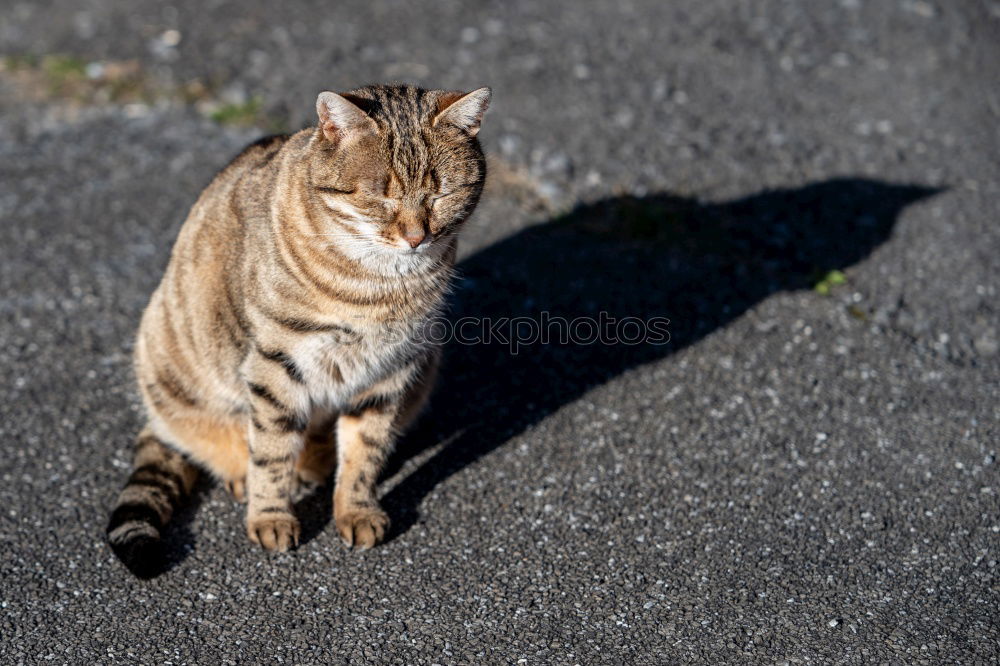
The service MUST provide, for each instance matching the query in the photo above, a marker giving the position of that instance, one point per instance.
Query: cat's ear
(340, 118)
(464, 110)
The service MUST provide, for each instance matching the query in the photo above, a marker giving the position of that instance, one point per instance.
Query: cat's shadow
(661, 256)
(639, 258)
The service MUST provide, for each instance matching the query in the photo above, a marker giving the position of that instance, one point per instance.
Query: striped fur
(268, 332)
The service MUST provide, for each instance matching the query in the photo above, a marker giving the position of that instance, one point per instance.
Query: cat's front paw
(274, 531)
(362, 527)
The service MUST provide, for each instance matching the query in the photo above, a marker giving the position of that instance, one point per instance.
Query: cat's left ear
(464, 110)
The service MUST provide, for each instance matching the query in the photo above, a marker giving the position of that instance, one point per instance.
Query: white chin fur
(402, 259)
(369, 249)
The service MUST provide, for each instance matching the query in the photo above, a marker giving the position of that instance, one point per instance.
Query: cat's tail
(161, 479)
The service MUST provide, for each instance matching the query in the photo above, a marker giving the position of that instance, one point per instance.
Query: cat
(265, 355)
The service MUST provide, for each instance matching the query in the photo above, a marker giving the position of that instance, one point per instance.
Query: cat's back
(256, 155)
(238, 194)
(205, 273)
(257, 162)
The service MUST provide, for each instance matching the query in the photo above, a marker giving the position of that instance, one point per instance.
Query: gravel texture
(797, 477)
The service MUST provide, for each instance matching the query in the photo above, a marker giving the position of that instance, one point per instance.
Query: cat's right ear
(339, 118)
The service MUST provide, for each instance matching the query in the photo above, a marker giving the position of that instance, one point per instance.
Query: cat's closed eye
(450, 192)
(334, 190)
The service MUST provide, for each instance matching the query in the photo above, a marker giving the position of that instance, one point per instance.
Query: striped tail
(160, 481)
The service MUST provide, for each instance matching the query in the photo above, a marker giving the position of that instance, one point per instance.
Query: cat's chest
(338, 366)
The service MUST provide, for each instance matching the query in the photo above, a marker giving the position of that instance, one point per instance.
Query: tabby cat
(269, 354)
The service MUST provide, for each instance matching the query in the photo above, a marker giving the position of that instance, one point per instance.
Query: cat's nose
(414, 237)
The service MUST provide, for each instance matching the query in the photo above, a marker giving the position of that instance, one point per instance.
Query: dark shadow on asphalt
(698, 265)
(315, 511)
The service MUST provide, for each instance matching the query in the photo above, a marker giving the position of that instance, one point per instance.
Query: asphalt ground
(805, 473)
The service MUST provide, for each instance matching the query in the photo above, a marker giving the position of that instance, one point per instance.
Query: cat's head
(397, 169)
